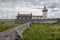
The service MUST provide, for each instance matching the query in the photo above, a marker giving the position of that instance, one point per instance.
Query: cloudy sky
(10, 8)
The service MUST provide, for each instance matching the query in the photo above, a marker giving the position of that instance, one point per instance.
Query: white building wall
(44, 14)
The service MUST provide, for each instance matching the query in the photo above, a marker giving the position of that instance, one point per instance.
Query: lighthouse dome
(45, 9)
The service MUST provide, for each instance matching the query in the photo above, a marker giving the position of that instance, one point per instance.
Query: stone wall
(44, 21)
(58, 20)
(14, 33)
(38, 20)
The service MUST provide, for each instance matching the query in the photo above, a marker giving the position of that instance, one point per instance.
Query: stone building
(23, 18)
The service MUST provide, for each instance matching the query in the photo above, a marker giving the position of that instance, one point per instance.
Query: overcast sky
(10, 8)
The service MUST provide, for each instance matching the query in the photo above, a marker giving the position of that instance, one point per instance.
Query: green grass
(2, 21)
(7, 24)
(4, 27)
(42, 32)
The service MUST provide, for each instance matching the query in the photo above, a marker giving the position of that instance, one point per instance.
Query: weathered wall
(14, 32)
(44, 21)
(37, 20)
(58, 20)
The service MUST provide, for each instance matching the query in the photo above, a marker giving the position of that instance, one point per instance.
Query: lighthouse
(45, 11)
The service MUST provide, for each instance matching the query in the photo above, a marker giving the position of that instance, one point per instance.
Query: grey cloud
(53, 5)
(10, 7)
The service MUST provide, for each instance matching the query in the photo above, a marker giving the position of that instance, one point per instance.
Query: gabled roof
(25, 15)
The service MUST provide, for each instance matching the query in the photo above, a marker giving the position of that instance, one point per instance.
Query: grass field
(4, 27)
(6, 24)
(5, 21)
(42, 32)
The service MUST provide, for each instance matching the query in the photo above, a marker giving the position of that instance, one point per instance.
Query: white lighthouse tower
(45, 11)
